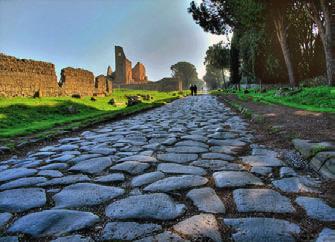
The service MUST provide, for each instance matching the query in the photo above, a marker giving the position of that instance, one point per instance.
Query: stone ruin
(29, 78)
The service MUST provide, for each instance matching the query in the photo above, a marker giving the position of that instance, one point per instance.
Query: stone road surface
(187, 171)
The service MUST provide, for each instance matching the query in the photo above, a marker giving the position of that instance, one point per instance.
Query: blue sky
(83, 33)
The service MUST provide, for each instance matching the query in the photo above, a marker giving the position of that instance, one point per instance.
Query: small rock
(287, 172)
(146, 178)
(4, 218)
(115, 177)
(326, 235)
(316, 208)
(92, 166)
(206, 200)
(180, 169)
(131, 167)
(235, 179)
(177, 158)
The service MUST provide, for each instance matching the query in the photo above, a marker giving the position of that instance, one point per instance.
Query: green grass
(317, 99)
(23, 116)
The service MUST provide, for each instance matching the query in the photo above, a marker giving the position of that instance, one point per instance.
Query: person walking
(195, 89)
(192, 90)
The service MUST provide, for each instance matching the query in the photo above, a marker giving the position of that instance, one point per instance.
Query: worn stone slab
(326, 235)
(65, 180)
(23, 182)
(229, 150)
(85, 194)
(63, 158)
(180, 169)
(187, 150)
(22, 199)
(131, 167)
(163, 237)
(92, 166)
(192, 143)
(287, 172)
(14, 173)
(128, 230)
(158, 206)
(217, 156)
(261, 200)
(50, 173)
(308, 148)
(114, 177)
(297, 185)
(206, 200)
(316, 208)
(84, 157)
(73, 238)
(212, 164)
(146, 178)
(176, 183)
(199, 227)
(9, 239)
(53, 222)
(259, 160)
(139, 158)
(262, 229)
(261, 170)
(195, 137)
(177, 158)
(235, 179)
(228, 142)
(324, 163)
(54, 166)
(4, 218)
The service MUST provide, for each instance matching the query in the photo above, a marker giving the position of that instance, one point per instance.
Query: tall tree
(213, 77)
(186, 72)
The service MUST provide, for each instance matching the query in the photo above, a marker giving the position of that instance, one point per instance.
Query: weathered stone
(192, 143)
(308, 149)
(235, 179)
(230, 150)
(199, 227)
(54, 166)
(218, 156)
(103, 151)
(73, 238)
(163, 237)
(227, 142)
(9, 239)
(324, 163)
(53, 222)
(187, 150)
(23, 182)
(50, 173)
(4, 218)
(128, 230)
(297, 184)
(139, 158)
(287, 172)
(210, 163)
(258, 160)
(146, 178)
(316, 208)
(261, 200)
(261, 170)
(176, 183)
(65, 180)
(85, 157)
(206, 200)
(16, 173)
(152, 206)
(262, 229)
(177, 158)
(92, 166)
(180, 169)
(326, 235)
(195, 137)
(115, 177)
(85, 194)
(131, 167)
(63, 158)
(19, 200)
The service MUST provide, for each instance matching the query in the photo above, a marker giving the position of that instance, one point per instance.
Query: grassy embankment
(21, 116)
(316, 99)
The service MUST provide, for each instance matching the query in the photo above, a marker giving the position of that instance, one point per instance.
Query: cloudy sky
(83, 33)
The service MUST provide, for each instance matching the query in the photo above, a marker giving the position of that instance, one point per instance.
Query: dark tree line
(273, 41)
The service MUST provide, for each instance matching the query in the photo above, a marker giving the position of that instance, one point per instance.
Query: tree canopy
(186, 72)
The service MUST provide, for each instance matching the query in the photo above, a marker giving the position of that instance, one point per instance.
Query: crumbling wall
(164, 85)
(22, 77)
(139, 74)
(77, 81)
(123, 69)
(103, 86)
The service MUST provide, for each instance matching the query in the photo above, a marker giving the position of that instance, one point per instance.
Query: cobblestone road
(187, 171)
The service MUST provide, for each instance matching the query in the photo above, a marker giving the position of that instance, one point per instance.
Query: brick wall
(77, 81)
(21, 77)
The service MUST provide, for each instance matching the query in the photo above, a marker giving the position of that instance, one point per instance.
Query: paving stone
(199, 138)
(139, 158)
(169, 141)
(128, 230)
(235, 179)
(326, 235)
(85, 194)
(176, 183)
(259, 160)
(206, 200)
(73, 238)
(65, 180)
(261, 200)
(177, 158)
(63, 158)
(324, 163)
(287, 172)
(103, 151)
(316, 208)
(163, 237)
(261, 170)
(180, 169)
(230, 150)
(210, 163)
(14, 173)
(199, 227)
(85, 157)
(297, 185)
(115, 177)
(150, 206)
(187, 150)
(262, 229)
(22, 199)
(50, 173)
(131, 167)
(217, 156)
(146, 178)
(23, 182)
(92, 166)
(53, 222)
(9, 239)
(54, 166)
(192, 143)
(308, 148)
(228, 142)
(4, 218)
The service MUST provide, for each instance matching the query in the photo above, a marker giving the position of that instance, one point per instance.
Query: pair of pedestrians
(194, 90)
